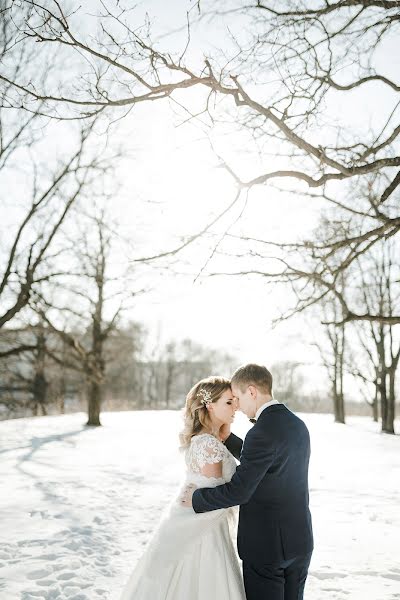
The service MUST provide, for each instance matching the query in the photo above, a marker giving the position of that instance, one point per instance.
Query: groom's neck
(262, 399)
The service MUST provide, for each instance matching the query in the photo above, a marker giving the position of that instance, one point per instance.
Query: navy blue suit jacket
(271, 487)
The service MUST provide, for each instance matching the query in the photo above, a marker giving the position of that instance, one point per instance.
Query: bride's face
(223, 410)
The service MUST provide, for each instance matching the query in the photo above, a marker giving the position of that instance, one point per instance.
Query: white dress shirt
(264, 406)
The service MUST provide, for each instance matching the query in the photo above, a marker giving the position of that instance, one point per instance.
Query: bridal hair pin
(205, 396)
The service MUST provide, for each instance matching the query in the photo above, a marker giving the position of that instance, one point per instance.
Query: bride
(192, 556)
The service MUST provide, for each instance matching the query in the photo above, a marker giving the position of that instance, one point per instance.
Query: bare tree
(288, 379)
(381, 289)
(25, 261)
(365, 372)
(171, 368)
(124, 351)
(25, 377)
(279, 85)
(89, 302)
(48, 380)
(332, 350)
(52, 185)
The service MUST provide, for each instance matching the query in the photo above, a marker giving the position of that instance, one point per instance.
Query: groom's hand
(186, 497)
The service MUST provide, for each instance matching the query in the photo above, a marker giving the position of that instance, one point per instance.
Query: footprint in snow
(69, 590)
(328, 575)
(47, 556)
(45, 582)
(391, 576)
(66, 575)
(38, 574)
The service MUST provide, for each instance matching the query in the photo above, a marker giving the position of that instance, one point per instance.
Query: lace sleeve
(205, 450)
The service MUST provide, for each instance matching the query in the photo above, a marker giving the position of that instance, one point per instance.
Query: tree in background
(88, 300)
(332, 351)
(288, 380)
(380, 341)
(132, 380)
(172, 367)
(26, 252)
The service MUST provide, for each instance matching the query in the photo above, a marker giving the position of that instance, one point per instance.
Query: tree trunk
(383, 394)
(375, 411)
(95, 392)
(63, 385)
(338, 395)
(338, 407)
(340, 412)
(168, 384)
(40, 384)
(388, 425)
(96, 366)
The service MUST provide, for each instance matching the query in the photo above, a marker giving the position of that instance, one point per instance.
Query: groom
(275, 539)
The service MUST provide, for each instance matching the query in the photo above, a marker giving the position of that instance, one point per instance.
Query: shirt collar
(264, 406)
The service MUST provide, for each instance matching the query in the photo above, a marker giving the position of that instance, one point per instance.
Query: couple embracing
(191, 556)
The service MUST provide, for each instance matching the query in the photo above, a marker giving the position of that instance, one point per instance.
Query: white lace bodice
(207, 449)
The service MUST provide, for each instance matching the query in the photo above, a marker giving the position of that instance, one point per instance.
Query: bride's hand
(186, 496)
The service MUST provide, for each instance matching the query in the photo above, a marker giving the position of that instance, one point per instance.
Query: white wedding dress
(192, 556)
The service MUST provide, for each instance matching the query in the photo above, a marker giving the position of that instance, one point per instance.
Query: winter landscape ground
(77, 504)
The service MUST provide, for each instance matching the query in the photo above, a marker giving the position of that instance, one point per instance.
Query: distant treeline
(47, 377)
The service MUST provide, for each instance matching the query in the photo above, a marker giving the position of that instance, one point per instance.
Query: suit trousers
(284, 581)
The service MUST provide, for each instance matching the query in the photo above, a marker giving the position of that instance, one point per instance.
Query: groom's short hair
(252, 374)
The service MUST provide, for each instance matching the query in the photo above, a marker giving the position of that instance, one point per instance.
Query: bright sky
(176, 169)
(171, 188)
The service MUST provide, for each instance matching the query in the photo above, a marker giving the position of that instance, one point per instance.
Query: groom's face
(246, 400)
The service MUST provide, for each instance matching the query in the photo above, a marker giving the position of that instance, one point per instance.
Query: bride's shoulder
(205, 439)
(200, 436)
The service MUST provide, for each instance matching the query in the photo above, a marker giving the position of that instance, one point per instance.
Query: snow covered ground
(78, 505)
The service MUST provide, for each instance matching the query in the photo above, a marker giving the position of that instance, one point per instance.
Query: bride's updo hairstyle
(196, 415)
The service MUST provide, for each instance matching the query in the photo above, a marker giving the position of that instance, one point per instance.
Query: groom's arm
(234, 445)
(258, 454)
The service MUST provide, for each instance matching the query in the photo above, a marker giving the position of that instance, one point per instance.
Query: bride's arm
(212, 470)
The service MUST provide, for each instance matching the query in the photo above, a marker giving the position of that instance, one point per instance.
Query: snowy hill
(77, 505)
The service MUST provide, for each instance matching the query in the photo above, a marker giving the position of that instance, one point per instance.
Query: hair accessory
(205, 396)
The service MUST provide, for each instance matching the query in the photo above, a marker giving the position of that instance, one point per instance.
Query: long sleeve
(234, 445)
(257, 456)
